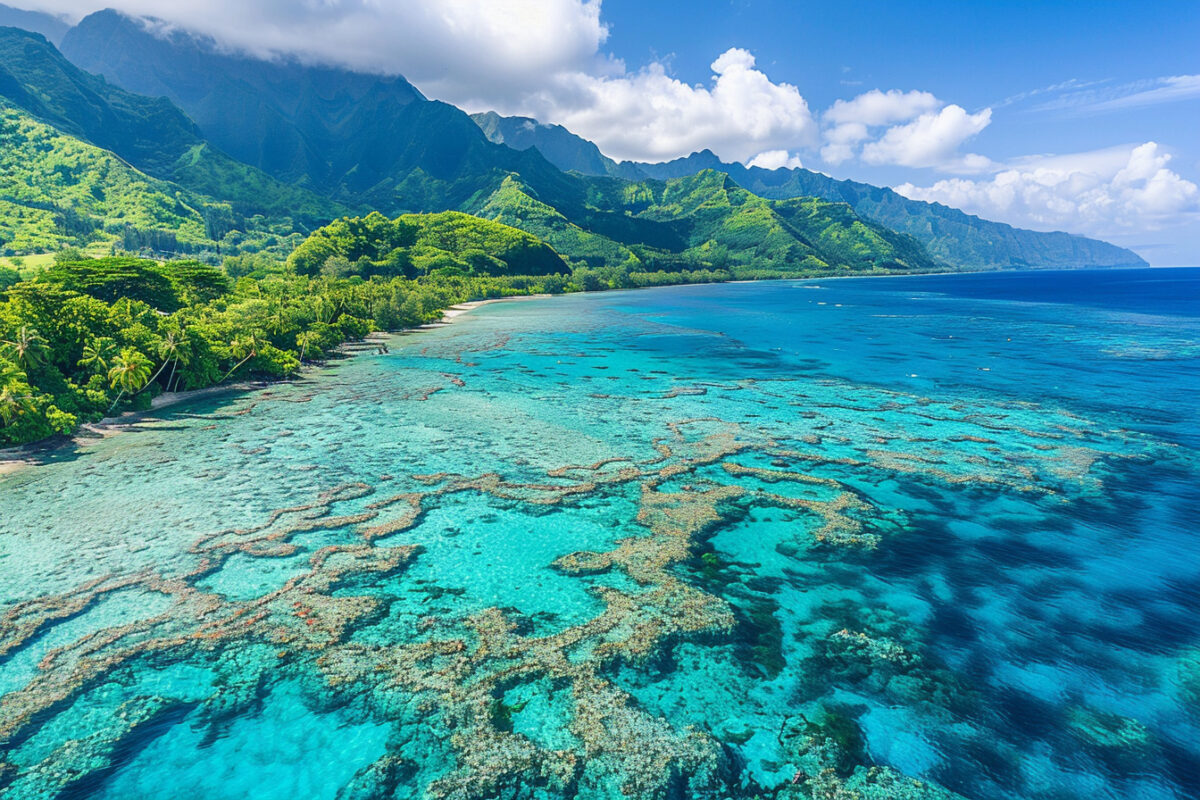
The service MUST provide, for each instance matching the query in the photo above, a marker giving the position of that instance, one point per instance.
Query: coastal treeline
(88, 337)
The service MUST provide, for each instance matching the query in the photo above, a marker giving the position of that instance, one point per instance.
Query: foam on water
(900, 537)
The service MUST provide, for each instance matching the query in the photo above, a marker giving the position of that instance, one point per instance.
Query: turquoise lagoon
(879, 538)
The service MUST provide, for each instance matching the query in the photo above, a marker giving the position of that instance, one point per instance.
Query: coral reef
(459, 668)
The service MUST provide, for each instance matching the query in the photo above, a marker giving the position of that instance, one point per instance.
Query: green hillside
(58, 191)
(150, 133)
(706, 222)
(449, 243)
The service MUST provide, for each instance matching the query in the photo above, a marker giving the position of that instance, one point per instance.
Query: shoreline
(459, 309)
(14, 459)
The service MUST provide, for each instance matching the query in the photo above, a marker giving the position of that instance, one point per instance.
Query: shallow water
(904, 536)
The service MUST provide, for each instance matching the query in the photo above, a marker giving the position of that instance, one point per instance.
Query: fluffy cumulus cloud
(881, 108)
(907, 129)
(932, 140)
(651, 116)
(1097, 193)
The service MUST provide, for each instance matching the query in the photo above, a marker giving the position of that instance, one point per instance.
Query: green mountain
(377, 143)
(961, 240)
(57, 191)
(356, 138)
(152, 134)
(706, 221)
(87, 164)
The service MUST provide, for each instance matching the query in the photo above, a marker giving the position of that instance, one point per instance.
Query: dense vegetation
(90, 336)
(59, 191)
(149, 132)
(706, 221)
(83, 337)
(442, 244)
(87, 164)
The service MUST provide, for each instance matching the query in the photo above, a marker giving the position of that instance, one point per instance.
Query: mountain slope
(561, 148)
(152, 134)
(361, 139)
(959, 239)
(57, 190)
(288, 116)
(705, 221)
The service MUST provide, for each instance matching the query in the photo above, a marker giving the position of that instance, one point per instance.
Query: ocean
(913, 537)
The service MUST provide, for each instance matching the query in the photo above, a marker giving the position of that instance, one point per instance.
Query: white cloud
(908, 129)
(932, 140)
(652, 116)
(881, 108)
(841, 141)
(452, 49)
(1099, 193)
(775, 159)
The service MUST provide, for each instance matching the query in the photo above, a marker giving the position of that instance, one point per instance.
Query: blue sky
(1000, 55)
(1077, 116)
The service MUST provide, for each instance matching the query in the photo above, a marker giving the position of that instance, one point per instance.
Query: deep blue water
(779, 539)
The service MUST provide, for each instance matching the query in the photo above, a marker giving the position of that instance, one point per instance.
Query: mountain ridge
(963, 240)
(150, 133)
(370, 143)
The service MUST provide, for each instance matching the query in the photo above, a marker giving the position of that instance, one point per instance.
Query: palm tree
(129, 373)
(26, 347)
(168, 350)
(13, 403)
(187, 351)
(246, 348)
(183, 355)
(304, 340)
(323, 308)
(97, 353)
(277, 319)
(14, 394)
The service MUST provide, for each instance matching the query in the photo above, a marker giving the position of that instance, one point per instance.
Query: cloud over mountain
(455, 49)
(651, 116)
